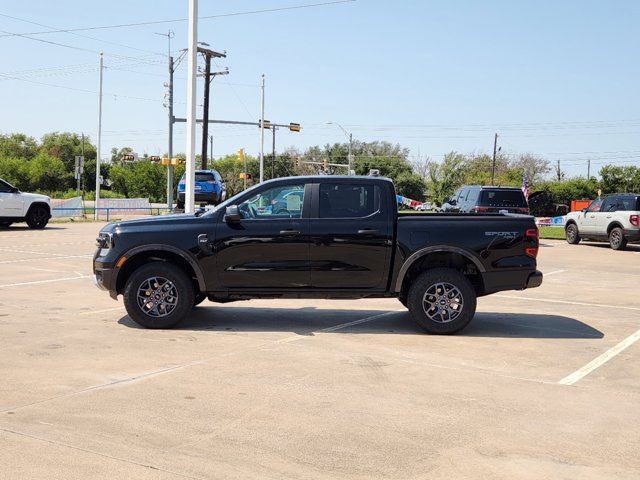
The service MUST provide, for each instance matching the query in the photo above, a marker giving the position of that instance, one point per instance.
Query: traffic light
(296, 162)
(166, 161)
(294, 127)
(129, 157)
(265, 124)
(241, 154)
(325, 164)
(154, 158)
(245, 176)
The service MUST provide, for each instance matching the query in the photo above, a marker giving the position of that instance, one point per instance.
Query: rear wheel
(572, 235)
(38, 217)
(442, 301)
(158, 295)
(617, 239)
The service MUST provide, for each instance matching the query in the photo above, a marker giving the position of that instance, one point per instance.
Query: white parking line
(37, 282)
(600, 360)
(96, 312)
(4, 262)
(554, 272)
(567, 302)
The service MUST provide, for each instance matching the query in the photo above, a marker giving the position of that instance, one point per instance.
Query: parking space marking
(96, 312)
(29, 252)
(567, 302)
(38, 282)
(4, 262)
(600, 360)
(554, 272)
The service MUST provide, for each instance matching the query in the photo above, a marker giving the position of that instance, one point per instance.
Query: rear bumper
(209, 197)
(632, 235)
(535, 279)
(499, 281)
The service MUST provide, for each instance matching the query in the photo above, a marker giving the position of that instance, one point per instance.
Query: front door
(269, 247)
(11, 202)
(351, 236)
(587, 223)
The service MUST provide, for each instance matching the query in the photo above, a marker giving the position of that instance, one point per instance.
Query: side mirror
(15, 190)
(232, 214)
(584, 210)
(453, 202)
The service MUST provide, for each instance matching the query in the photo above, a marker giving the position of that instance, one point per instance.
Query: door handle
(290, 232)
(367, 231)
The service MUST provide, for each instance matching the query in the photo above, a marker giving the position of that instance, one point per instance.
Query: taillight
(635, 220)
(531, 234)
(480, 209)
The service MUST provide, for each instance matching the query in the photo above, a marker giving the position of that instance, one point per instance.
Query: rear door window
(610, 204)
(205, 177)
(348, 200)
(502, 198)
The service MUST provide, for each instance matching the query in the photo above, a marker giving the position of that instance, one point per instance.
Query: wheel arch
(38, 204)
(156, 252)
(441, 256)
(612, 225)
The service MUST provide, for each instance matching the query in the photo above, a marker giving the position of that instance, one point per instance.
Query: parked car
(209, 188)
(613, 218)
(478, 199)
(17, 206)
(347, 240)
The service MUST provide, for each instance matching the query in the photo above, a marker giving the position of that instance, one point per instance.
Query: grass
(556, 233)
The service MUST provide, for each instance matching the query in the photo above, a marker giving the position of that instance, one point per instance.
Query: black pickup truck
(316, 237)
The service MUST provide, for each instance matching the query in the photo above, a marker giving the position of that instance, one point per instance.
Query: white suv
(612, 218)
(16, 206)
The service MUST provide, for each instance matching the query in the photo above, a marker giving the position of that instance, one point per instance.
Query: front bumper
(104, 277)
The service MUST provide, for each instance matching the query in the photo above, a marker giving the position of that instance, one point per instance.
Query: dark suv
(478, 199)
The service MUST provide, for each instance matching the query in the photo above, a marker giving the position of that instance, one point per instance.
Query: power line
(175, 20)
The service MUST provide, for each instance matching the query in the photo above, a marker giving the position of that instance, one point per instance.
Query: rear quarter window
(502, 198)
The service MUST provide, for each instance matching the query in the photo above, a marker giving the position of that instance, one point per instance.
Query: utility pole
(211, 149)
(98, 140)
(169, 105)
(262, 130)
(273, 153)
(189, 206)
(558, 172)
(350, 152)
(493, 164)
(205, 110)
(588, 169)
(80, 166)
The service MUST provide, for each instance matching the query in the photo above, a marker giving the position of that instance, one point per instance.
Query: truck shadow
(630, 247)
(309, 321)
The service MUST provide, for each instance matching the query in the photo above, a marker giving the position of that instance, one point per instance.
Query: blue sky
(559, 79)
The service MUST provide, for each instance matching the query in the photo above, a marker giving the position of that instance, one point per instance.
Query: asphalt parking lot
(542, 384)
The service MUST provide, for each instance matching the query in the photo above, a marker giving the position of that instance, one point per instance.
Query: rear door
(610, 205)
(351, 235)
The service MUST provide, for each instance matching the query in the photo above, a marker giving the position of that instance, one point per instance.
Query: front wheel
(442, 301)
(571, 233)
(617, 239)
(38, 217)
(158, 295)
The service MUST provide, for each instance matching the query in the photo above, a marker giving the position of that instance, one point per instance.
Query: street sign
(79, 167)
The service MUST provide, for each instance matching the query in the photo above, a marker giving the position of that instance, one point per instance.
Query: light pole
(189, 203)
(350, 137)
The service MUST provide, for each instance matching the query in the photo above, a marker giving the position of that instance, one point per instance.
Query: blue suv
(209, 188)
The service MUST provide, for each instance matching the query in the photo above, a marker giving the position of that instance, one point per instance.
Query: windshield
(502, 198)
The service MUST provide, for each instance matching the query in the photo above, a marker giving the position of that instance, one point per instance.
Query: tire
(571, 234)
(37, 217)
(161, 278)
(403, 301)
(199, 298)
(438, 285)
(617, 239)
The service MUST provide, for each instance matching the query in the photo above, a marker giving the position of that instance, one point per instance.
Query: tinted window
(348, 200)
(610, 204)
(205, 177)
(502, 198)
(283, 201)
(5, 187)
(595, 205)
(629, 203)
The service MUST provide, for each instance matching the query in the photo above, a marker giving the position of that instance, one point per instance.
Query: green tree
(617, 179)
(445, 177)
(18, 145)
(66, 146)
(48, 173)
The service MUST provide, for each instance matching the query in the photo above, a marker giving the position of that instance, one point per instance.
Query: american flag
(525, 186)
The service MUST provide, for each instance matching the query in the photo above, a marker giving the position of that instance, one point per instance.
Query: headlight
(104, 240)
